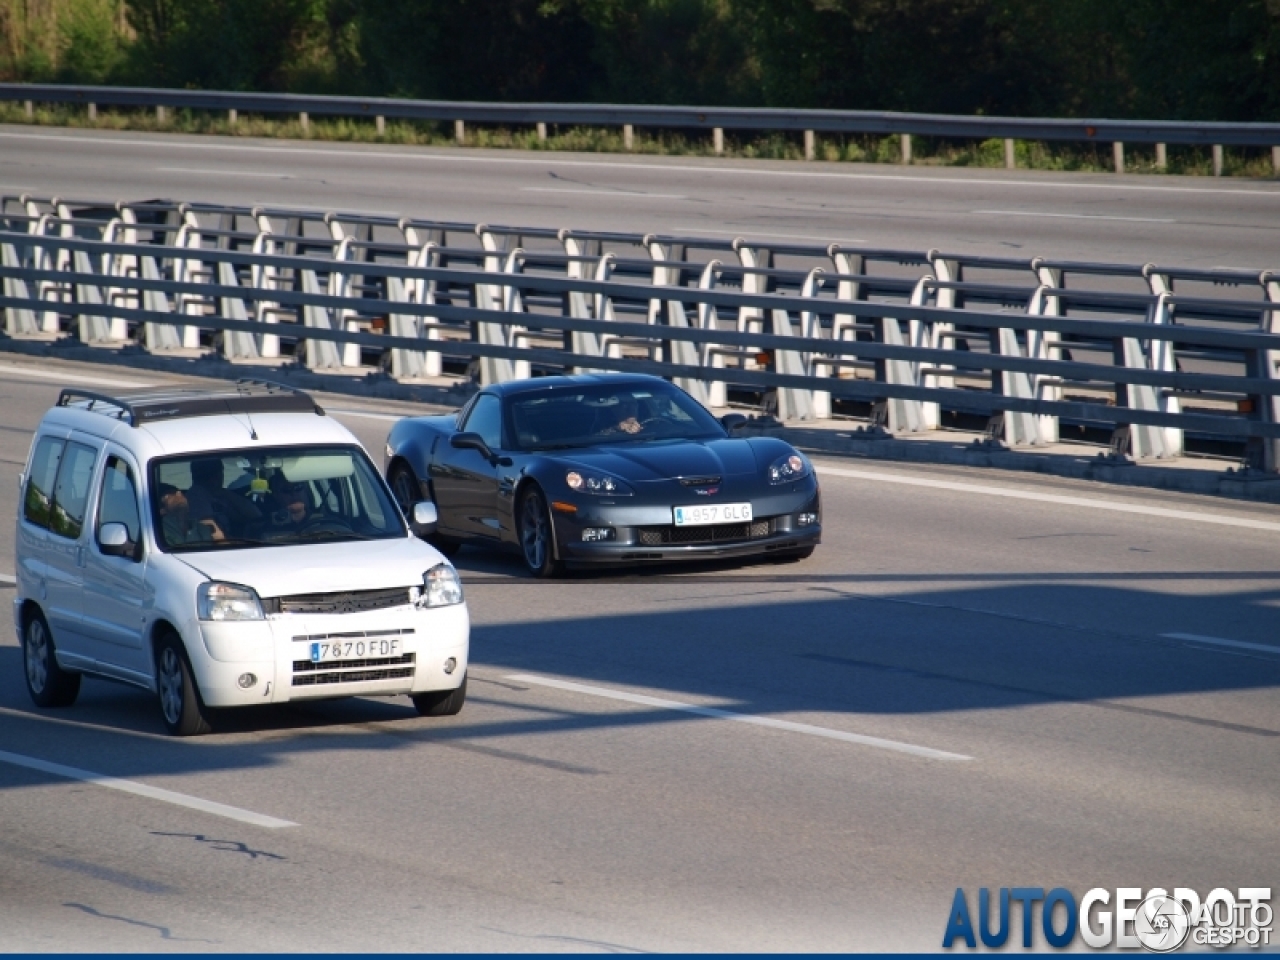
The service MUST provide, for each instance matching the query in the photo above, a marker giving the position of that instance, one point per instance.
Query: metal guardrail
(810, 325)
(673, 117)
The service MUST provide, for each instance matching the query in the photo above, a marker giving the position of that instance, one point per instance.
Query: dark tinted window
(119, 500)
(37, 503)
(595, 414)
(486, 419)
(71, 490)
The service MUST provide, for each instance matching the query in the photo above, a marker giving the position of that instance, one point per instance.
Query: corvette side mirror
(471, 441)
(424, 518)
(732, 421)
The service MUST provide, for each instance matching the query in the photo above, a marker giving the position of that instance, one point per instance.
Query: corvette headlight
(601, 484)
(788, 468)
(227, 601)
(440, 587)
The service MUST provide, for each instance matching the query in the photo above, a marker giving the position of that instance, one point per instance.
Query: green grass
(926, 151)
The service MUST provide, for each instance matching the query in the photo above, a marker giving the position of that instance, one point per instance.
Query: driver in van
(293, 503)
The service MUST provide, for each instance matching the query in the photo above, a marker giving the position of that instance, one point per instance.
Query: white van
(225, 548)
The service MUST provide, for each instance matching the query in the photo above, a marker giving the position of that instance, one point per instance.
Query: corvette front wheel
(536, 539)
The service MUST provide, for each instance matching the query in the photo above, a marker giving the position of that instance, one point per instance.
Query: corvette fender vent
(714, 533)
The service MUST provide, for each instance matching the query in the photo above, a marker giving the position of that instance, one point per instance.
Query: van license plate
(358, 649)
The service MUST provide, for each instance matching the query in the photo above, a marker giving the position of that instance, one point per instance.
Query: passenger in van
(177, 522)
(294, 509)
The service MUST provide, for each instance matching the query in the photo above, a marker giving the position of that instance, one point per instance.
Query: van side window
(37, 503)
(119, 500)
(71, 490)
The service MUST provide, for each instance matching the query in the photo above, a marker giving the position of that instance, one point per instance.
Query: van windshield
(269, 497)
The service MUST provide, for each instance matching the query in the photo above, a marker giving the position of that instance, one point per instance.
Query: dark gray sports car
(603, 469)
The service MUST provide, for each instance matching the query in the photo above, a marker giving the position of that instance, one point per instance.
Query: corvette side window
(486, 419)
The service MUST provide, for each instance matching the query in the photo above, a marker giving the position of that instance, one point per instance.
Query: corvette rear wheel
(536, 538)
(407, 491)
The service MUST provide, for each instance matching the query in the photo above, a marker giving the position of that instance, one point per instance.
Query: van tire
(49, 685)
(441, 703)
(181, 707)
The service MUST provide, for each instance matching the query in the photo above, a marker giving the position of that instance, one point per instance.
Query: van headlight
(227, 601)
(440, 587)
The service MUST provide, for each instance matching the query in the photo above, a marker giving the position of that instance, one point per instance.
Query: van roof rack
(138, 407)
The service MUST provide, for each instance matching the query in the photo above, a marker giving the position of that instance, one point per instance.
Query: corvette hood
(320, 567)
(663, 460)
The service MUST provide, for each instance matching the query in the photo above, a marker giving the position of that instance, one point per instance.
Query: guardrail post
(305, 120)
(1160, 354)
(236, 344)
(1217, 160)
(902, 416)
(380, 125)
(93, 112)
(1045, 344)
(30, 109)
(1162, 156)
(460, 132)
(16, 319)
(1145, 442)
(809, 149)
(628, 136)
(717, 140)
(542, 132)
(1275, 160)
(160, 114)
(1010, 156)
(1117, 156)
(157, 336)
(906, 149)
(94, 328)
(1269, 362)
(232, 117)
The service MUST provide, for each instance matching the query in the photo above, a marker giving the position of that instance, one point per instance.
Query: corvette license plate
(704, 514)
(357, 649)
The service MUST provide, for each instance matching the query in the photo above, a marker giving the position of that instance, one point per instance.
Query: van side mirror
(423, 518)
(113, 541)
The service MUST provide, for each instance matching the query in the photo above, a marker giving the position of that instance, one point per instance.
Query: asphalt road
(960, 689)
(1192, 221)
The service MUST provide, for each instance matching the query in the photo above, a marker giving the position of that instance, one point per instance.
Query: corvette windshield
(607, 414)
(269, 497)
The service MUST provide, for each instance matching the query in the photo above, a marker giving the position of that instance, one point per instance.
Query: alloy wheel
(534, 532)
(171, 685)
(37, 653)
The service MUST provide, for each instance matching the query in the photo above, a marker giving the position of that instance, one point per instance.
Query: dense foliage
(1175, 59)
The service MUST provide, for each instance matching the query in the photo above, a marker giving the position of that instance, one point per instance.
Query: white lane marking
(1114, 505)
(86, 725)
(1218, 641)
(144, 790)
(467, 156)
(19, 371)
(769, 234)
(8, 578)
(629, 194)
(1074, 216)
(226, 173)
(719, 714)
(367, 416)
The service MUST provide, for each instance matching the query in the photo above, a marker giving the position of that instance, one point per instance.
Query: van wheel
(441, 703)
(184, 712)
(49, 685)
